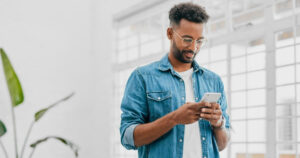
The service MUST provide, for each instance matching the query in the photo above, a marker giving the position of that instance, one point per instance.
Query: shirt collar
(164, 65)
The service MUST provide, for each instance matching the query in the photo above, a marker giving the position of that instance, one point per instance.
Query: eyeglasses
(189, 41)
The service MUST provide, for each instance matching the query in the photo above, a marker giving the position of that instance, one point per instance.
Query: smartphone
(211, 97)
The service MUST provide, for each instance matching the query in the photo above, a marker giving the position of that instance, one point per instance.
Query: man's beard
(180, 54)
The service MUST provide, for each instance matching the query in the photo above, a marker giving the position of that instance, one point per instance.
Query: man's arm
(222, 136)
(214, 115)
(147, 133)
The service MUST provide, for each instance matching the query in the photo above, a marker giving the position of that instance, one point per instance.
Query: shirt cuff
(128, 135)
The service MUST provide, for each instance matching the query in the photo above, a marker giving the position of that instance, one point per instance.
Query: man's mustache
(188, 51)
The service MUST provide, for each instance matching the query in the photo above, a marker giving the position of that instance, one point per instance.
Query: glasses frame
(186, 43)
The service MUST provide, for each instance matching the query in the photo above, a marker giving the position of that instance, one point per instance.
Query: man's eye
(199, 41)
(188, 40)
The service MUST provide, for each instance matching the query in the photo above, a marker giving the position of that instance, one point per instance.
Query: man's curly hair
(189, 11)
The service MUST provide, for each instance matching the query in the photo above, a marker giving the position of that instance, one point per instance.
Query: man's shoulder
(148, 68)
(209, 74)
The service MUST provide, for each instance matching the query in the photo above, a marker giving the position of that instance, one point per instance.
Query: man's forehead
(192, 29)
(185, 24)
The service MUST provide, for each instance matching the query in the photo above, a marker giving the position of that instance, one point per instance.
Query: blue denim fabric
(155, 90)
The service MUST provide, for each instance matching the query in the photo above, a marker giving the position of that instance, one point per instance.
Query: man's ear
(169, 33)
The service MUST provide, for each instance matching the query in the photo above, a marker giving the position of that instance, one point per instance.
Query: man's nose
(193, 46)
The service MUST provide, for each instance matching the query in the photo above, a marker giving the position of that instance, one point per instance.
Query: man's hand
(213, 114)
(189, 112)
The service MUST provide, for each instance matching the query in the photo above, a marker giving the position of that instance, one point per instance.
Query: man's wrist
(222, 124)
(172, 118)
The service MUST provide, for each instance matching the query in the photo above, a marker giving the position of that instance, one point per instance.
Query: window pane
(122, 56)
(238, 151)
(256, 79)
(256, 62)
(285, 94)
(238, 99)
(150, 28)
(218, 27)
(285, 56)
(298, 72)
(286, 110)
(298, 130)
(237, 50)
(122, 44)
(124, 31)
(237, 6)
(132, 53)
(257, 45)
(284, 38)
(203, 56)
(147, 48)
(257, 150)
(256, 97)
(298, 111)
(224, 153)
(283, 8)
(237, 114)
(218, 52)
(166, 45)
(297, 27)
(238, 131)
(298, 92)
(224, 80)
(286, 129)
(238, 82)
(132, 41)
(286, 150)
(256, 130)
(298, 53)
(285, 75)
(238, 65)
(259, 112)
(219, 67)
(251, 17)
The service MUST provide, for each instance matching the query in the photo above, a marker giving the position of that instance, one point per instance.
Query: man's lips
(189, 54)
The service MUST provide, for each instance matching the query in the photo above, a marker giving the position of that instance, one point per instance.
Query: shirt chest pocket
(160, 104)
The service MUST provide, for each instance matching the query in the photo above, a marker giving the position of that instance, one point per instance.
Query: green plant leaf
(12, 80)
(2, 128)
(62, 140)
(38, 115)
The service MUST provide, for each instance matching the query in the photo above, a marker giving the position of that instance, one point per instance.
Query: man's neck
(178, 65)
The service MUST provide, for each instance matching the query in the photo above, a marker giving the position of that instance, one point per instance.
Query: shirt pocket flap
(159, 96)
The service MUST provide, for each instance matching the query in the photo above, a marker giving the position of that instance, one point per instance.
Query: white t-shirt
(192, 142)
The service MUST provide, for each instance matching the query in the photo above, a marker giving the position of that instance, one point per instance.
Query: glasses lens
(187, 40)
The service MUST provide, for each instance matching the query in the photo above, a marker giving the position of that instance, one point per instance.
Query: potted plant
(17, 98)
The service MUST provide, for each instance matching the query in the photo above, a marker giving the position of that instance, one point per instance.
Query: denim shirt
(154, 90)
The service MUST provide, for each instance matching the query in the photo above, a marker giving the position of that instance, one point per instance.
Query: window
(260, 69)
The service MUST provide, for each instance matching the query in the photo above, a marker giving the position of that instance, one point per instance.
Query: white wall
(57, 47)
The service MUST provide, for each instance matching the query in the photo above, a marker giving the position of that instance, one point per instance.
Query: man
(162, 115)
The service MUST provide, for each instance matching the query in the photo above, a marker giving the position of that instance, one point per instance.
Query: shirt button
(182, 98)
(204, 157)
(181, 80)
(158, 98)
(203, 138)
(196, 98)
(180, 140)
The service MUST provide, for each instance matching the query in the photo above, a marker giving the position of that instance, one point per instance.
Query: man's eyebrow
(192, 37)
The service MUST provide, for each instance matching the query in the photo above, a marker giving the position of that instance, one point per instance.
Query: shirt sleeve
(134, 108)
(223, 104)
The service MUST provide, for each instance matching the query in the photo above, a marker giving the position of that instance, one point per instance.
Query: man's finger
(210, 116)
(211, 111)
(216, 105)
